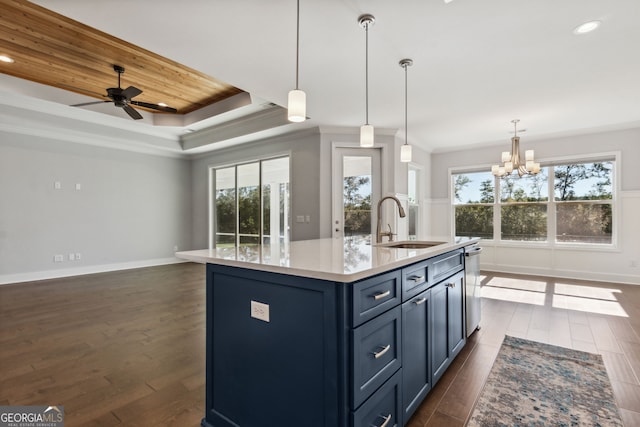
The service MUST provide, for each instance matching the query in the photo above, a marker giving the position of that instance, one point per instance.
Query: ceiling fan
(123, 98)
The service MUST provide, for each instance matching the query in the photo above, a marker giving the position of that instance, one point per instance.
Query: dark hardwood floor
(127, 347)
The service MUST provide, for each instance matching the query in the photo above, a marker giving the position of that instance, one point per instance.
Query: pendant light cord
(406, 134)
(297, 41)
(366, 73)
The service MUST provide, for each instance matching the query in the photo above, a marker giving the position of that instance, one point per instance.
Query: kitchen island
(329, 332)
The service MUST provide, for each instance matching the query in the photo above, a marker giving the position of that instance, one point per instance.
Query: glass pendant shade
(366, 136)
(297, 106)
(405, 153)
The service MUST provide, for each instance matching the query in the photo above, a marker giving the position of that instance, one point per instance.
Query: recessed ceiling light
(587, 27)
(5, 58)
(448, 1)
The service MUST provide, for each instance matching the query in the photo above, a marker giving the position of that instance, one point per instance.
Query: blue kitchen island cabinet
(302, 347)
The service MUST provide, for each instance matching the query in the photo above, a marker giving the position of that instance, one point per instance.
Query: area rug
(535, 384)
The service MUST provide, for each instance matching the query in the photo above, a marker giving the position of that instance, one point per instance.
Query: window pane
(225, 208)
(413, 202)
(249, 199)
(249, 240)
(584, 222)
(275, 199)
(475, 187)
(413, 185)
(357, 195)
(524, 222)
(583, 181)
(528, 188)
(225, 240)
(474, 221)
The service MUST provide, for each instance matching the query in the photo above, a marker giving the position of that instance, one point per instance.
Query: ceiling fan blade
(88, 103)
(132, 112)
(154, 106)
(131, 92)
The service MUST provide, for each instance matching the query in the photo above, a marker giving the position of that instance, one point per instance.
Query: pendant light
(405, 150)
(366, 130)
(297, 106)
(512, 160)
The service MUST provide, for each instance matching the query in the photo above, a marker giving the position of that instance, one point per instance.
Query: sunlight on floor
(586, 291)
(588, 299)
(522, 284)
(515, 290)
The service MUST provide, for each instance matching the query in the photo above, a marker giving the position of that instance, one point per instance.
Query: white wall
(303, 147)
(607, 265)
(131, 210)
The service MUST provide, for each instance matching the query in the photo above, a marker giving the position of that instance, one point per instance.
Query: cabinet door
(416, 343)
(448, 323)
(273, 363)
(440, 343)
(456, 315)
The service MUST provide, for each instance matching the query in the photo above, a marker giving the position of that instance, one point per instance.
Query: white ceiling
(477, 63)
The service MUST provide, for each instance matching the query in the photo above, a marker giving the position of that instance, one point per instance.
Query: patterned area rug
(535, 384)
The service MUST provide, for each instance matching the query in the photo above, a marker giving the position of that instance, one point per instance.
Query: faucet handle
(390, 233)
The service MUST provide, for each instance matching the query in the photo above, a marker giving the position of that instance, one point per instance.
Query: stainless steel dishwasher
(472, 287)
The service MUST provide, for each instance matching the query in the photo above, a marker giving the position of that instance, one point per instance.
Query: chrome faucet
(389, 233)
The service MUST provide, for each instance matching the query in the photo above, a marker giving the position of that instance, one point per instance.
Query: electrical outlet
(58, 258)
(78, 186)
(57, 185)
(72, 257)
(260, 311)
(78, 256)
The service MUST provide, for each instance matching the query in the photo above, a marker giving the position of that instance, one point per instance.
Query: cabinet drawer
(415, 279)
(374, 296)
(445, 265)
(383, 408)
(377, 354)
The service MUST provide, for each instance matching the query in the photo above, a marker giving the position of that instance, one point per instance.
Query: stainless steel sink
(414, 244)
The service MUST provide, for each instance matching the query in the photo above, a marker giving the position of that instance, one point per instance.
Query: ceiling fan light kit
(122, 98)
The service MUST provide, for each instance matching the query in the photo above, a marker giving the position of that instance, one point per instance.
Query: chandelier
(511, 160)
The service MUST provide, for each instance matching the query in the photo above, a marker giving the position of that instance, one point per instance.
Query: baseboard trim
(626, 279)
(79, 271)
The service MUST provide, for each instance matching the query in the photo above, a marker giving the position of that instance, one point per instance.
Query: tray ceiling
(57, 51)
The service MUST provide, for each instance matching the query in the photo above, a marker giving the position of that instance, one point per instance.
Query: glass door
(356, 185)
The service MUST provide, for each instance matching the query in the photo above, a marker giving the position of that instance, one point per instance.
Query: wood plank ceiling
(54, 50)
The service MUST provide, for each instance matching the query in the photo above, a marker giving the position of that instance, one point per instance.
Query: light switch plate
(260, 311)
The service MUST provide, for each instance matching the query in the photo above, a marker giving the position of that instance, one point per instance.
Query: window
(413, 202)
(251, 203)
(523, 207)
(583, 195)
(580, 210)
(474, 196)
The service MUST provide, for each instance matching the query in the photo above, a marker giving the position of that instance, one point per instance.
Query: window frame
(551, 204)
(212, 195)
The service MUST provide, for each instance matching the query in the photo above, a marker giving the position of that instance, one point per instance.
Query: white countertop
(327, 259)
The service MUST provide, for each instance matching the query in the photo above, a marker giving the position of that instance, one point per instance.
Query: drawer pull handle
(379, 354)
(451, 285)
(386, 420)
(420, 301)
(382, 295)
(417, 278)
